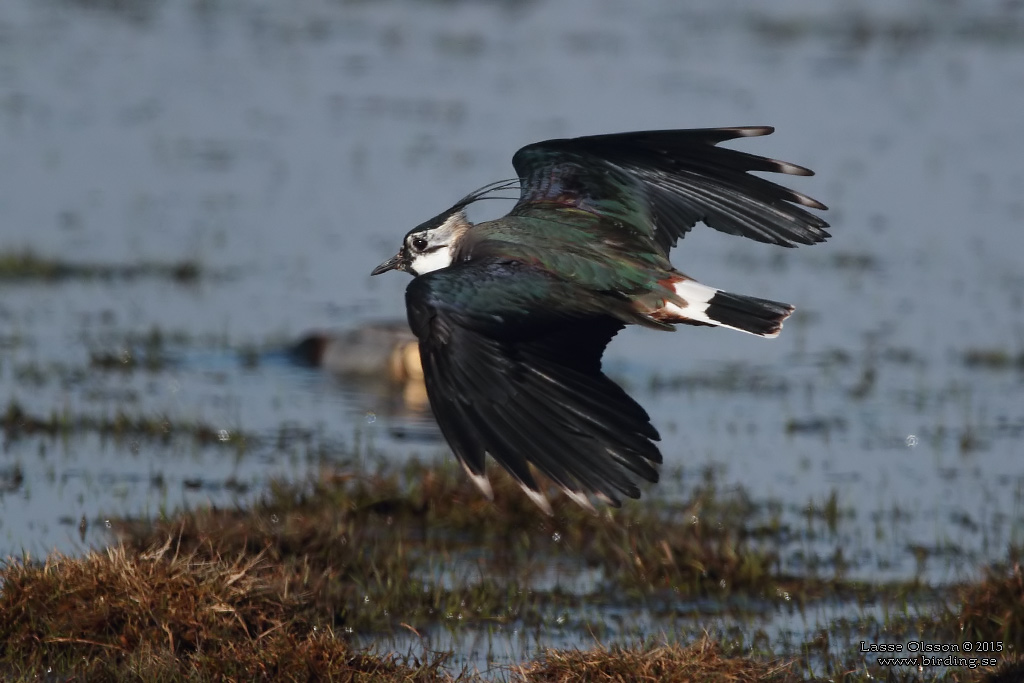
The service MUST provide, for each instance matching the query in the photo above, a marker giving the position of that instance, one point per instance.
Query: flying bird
(514, 314)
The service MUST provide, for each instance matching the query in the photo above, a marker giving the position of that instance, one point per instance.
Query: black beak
(394, 263)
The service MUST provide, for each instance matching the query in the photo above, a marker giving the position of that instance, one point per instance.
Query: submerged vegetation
(28, 266)
(993, 359)
(16, 422)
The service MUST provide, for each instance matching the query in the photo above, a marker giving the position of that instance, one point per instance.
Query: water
(286, 150)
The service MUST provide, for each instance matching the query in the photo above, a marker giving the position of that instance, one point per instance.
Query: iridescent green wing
(512, 364)
(659, 184)
(591, 250)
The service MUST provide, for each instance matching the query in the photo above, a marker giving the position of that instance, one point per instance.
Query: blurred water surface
(285, 148)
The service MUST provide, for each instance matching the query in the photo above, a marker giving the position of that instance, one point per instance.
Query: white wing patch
(697, 297)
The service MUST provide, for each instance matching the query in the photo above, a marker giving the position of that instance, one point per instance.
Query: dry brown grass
(375, 531)
(700, 662)
(993, 610)
(166, 615)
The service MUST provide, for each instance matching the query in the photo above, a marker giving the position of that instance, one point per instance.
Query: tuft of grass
(700, 661)
(164, 614)
(993, 610)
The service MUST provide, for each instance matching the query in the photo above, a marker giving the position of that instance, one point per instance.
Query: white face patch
(431, 261)
(434, 249)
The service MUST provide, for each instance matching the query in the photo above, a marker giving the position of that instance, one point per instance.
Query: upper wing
(661, 183)
(512, 364)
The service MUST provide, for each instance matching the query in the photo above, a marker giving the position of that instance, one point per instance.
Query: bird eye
(419, 243)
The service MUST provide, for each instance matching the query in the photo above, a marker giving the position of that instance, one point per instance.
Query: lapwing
(514, 314)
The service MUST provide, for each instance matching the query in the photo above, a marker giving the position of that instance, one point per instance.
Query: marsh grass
(279, 590)
(276, 590)
(165, 615)
(419, 542)
(992, 610)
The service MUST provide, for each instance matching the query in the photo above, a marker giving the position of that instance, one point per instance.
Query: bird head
(430, 245)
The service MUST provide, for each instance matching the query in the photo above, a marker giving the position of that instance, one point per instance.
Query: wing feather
(512, 365)
(661, 183)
